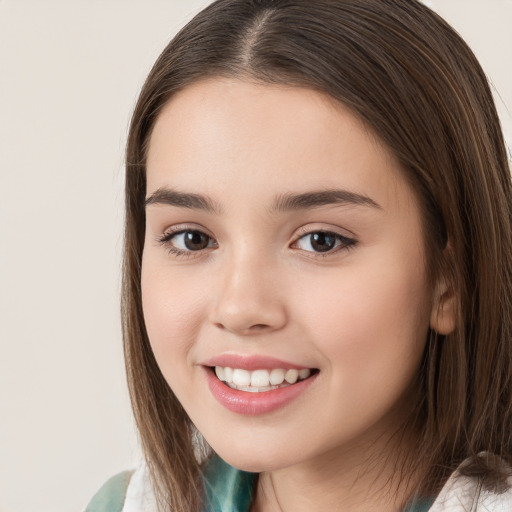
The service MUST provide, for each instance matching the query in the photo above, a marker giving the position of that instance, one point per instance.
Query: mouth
(261, 380)
(254, 384)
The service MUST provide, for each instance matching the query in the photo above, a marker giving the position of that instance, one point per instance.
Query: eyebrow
(316, 199)
(283, 203)
(166, 196)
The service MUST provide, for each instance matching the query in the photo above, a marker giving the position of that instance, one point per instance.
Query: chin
(253, 457)
(250, 464)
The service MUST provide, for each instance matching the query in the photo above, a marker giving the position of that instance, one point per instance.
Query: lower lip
(253, 404)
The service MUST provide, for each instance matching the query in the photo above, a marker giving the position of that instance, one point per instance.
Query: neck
(355, 481)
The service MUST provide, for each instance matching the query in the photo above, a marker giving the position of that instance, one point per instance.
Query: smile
(258, 381)
(256, 388)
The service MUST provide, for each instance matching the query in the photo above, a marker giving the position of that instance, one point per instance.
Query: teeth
(219, 371)
(260, 380)
(291, 376)
(228, 374)
(241, 377)
(276, 376)
(251, 389)
(304, 373)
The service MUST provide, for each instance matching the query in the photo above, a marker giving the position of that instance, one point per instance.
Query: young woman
(318, 266)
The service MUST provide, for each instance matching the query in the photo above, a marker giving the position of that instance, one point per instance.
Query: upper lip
(250, 362)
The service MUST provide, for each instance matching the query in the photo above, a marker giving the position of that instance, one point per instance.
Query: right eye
(187, 241)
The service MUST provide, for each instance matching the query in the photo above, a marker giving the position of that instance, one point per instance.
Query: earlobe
(443, 316)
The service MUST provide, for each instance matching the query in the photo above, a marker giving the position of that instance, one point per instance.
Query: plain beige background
(70, 71)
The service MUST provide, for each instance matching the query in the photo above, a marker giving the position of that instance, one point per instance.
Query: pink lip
(253, 404)
(250, 362)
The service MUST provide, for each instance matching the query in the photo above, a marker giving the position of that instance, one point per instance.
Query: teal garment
(422, 505)
(227, 489)
(111, 496)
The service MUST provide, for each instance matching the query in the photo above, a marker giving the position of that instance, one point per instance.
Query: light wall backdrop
(70, 71)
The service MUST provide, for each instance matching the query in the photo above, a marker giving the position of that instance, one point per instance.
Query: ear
(443, 317)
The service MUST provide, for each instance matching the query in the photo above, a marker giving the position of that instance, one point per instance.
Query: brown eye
(188, 241)
(323, 242)
(195, 240)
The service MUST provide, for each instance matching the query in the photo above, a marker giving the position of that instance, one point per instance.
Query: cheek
(172, 310)
(371, 319)
(371, 333)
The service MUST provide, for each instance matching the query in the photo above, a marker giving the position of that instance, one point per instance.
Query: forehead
(220, 135)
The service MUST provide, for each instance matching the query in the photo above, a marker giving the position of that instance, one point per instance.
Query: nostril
(258, 327)
(252, 328)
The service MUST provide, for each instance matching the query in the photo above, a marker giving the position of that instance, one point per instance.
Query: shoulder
(464, 494)
(129, 491)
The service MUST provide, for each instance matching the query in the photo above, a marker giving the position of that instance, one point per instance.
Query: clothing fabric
(231, 490)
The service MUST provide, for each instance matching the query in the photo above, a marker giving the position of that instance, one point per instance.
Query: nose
(249, 299)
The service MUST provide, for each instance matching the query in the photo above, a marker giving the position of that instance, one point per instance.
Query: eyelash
(342, 242)
(167, 237)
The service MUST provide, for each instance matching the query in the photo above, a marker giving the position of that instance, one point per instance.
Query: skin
(359, 313)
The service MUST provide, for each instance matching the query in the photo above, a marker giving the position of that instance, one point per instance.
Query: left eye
(190, 241)
(322, 241)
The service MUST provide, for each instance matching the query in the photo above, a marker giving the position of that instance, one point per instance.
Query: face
(282, 242)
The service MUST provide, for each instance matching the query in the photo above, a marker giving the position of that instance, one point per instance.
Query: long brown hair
(411, 78)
